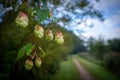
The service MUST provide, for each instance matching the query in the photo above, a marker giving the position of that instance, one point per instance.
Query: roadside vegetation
(97, 72)
(68, 71)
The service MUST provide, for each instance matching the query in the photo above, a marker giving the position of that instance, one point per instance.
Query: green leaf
(42, 15)
(29, 49)
(44, 3)
(43, 52)
(22, 51)
(36, 8)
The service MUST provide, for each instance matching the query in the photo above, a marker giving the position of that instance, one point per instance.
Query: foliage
(114, 45)
(39, 14)
(65, 68)
(91, 41)
(79, 8)
(78, 45)
(112, 58)
(91, 58)
(97, 48)
(26, 49)
(42, 15)
(96, 71)
(14, 38)
(112, 62)
(107, 53)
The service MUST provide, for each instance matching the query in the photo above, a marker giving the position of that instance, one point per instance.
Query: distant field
(96, 71)
(68, 71)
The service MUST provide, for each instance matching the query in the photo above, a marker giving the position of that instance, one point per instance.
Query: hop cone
(22, 20)
(38, 62)
(38, 31)
(49, 35)
(28, 64)
(59, 38)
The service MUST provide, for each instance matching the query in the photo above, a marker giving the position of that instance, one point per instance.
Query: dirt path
(83, 73)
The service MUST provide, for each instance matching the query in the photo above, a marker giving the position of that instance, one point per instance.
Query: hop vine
(30, 49)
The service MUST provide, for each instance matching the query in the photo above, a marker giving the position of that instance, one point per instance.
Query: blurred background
(91, 30)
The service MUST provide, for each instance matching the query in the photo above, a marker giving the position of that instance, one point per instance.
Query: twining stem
(33, 55)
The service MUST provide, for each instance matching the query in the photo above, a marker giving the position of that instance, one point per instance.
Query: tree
(81, 10)
(91, 41)
(97, 47)
(114, 45)
(78, 45)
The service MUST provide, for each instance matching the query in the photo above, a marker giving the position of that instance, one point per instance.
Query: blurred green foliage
(108, 53)
(112, 62)
(13, 38)
(97, 47)
(112, 58)
(114, 45)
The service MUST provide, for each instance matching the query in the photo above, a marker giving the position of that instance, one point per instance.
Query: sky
(110, 28)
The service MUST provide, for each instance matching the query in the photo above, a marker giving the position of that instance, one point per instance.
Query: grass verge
(68, 71)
